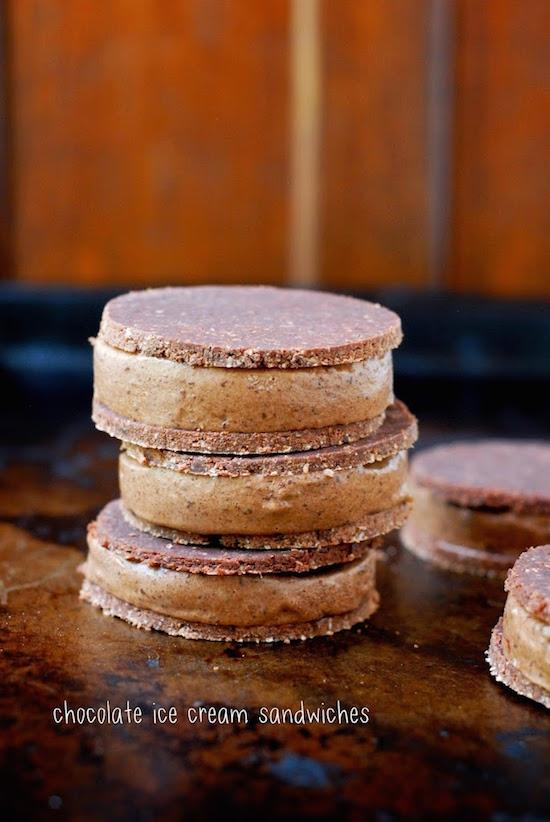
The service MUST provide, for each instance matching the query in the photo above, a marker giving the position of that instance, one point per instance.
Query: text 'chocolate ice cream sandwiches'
(478, 505)
(263, 457)
(519, 653)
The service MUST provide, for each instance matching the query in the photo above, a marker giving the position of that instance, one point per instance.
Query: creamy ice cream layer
(162, 392)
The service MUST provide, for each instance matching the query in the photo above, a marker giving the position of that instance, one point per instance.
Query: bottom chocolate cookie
(228, 442)
(506, 672)
(461, 559)
(149, 620)
(370, 527)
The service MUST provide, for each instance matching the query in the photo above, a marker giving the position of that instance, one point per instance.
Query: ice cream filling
(162, 392)
(261, 503)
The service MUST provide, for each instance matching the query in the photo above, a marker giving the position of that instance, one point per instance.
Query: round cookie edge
(118, 335)
(149, 620)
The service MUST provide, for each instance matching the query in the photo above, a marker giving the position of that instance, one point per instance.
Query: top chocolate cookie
(249, 326)
(529, 581)
(493, 473)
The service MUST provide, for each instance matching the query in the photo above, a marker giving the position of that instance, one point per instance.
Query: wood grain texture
(151, 140)
(6, 226)
(501, 219)
(374, 165)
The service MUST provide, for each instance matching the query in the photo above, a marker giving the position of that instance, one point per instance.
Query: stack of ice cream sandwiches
(263, 459)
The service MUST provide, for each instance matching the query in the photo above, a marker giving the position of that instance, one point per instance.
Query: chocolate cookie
(369, 527)
(150, 621)
(519, 653)
(492, 474)
(114, 532)
(477, 506)
(249, 326)
(397, 433)
(228, 442)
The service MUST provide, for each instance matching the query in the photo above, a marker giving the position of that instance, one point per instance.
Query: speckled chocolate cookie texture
(228, 442)
(479, 505)
(249, 326)
(398, 433)
(263, 458)
(507, 474)
(114, 532)
(519, 652)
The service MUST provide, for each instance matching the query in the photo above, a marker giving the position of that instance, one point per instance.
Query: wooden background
(345, 143)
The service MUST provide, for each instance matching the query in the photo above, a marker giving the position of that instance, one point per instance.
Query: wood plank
(374, 221)
(151, 139)
(501, 221)
(6, 227)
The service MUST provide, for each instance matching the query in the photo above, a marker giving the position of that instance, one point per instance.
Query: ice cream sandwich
(240, 369)
(307, 498)
(223, 594)
(519, 653)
